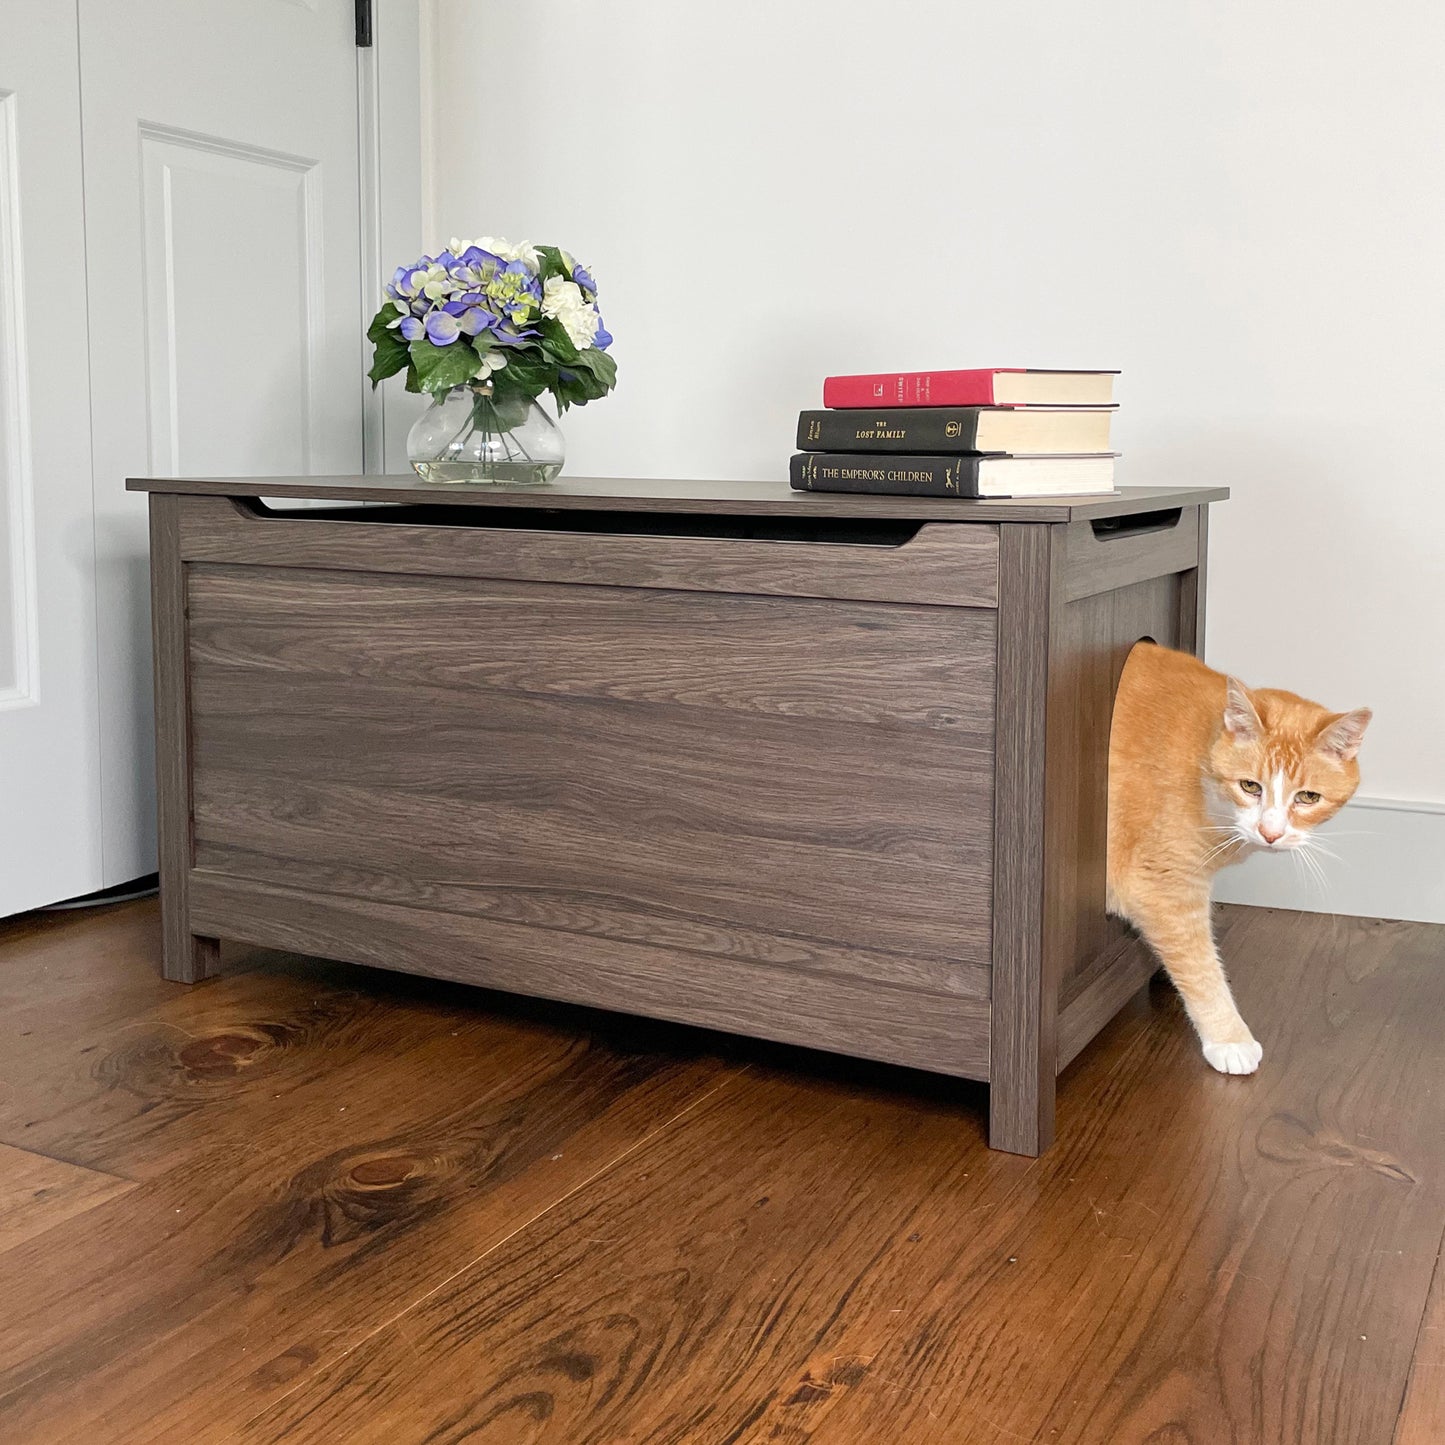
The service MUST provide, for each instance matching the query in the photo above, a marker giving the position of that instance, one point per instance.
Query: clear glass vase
(467, 435)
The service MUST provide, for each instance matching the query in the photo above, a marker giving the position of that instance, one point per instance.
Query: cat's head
(1283, 764)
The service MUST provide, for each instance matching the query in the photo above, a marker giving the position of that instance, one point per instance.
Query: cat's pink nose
(1269, 834)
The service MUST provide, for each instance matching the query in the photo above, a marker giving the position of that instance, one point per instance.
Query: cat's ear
(1241, 721)
(1341, 737)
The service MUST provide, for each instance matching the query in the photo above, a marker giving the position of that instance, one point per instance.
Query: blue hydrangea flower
(441, 328)
(583, 278)
(488, 295)
(477, 319)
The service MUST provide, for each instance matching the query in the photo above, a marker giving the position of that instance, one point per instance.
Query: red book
(991, 386)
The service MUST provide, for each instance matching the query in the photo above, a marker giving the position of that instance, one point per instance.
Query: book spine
(900, 476)
(923, 429)
(910, 388)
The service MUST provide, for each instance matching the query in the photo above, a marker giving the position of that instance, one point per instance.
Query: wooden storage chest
(823, 769)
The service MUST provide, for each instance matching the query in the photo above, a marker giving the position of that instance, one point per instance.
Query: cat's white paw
(1234, 1058)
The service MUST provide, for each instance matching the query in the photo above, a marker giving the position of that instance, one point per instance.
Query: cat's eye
(1307, 798)
(1251, 787)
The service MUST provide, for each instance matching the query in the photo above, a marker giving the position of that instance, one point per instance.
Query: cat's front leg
(1178, 931)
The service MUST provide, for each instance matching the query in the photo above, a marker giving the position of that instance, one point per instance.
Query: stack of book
(1001, 432)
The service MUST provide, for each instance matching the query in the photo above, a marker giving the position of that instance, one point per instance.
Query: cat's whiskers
(1313, 870)
(1219, 848)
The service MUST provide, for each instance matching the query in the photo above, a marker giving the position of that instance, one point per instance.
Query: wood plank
(1094, 995)
(284, 1234)
(724, 1284)
(848, 663)
(1024, 1014)
(579, 916)
(1092, 640)
(135, 1093)
(941, 565)
(1422, 1417)
(185, 957)
(718, 498)
(898, 1025)
(37, 1193)
(743, 770)
(1202, 1261)
(1193, 594)
(1200, 1258)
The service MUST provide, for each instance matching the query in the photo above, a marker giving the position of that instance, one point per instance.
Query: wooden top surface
(621, 494)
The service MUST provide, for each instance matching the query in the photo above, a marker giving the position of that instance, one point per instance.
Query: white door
(49, 738)
(223, 248)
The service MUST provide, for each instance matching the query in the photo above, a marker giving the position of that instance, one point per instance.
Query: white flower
(559, 296)
(523, 251)
(582, 326)
(564, 302)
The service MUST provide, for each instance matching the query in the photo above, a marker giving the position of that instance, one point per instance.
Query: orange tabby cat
(1202, 772)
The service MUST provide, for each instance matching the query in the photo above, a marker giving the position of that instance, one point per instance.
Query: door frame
(389, 130)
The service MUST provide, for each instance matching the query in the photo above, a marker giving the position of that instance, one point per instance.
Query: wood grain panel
(947, 1034)
(736, 767)
(716, 498)
(37, 1193)
(1093, 637)
(1193, 591)
(795, 658)
(942, 564)
(1021, 1101)
(1092, 995)
(582, 916)
(185, 957)
(1060, 662)
(1111, 556)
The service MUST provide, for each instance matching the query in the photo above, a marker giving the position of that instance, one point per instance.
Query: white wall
(1239, 204)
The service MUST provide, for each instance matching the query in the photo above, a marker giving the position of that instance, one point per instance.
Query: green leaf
(552, 264)
(555, 341)
(412, 384)
(597, 364)
(391, 356)
(391, 352)
(575, 390)
(525, 371)
(378, 327)
(439, 368)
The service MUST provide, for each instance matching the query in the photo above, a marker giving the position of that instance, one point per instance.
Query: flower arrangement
(521, 317)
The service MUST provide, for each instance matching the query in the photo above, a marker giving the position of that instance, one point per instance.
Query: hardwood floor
(313, 1203)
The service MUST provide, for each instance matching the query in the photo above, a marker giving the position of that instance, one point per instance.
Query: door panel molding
(170, 157)
(19, 612)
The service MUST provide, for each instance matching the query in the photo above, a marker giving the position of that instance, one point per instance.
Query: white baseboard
(1390, 864)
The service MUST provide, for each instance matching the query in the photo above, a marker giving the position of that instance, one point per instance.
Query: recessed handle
(1136, 523)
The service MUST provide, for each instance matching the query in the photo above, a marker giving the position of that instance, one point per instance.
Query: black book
(971, 476)
(929, 430)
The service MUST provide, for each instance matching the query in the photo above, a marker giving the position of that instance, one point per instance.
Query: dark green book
(968, 476)
(928, 430)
